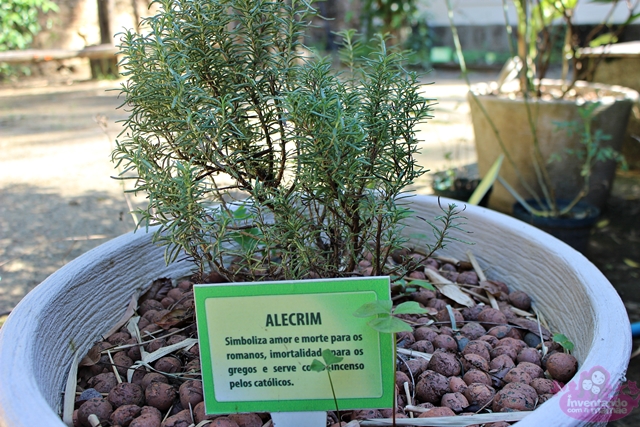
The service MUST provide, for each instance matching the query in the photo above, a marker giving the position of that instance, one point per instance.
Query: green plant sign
(258, 343)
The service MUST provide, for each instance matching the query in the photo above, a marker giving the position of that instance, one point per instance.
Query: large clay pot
(73, 307)
(618, 64)
(574, 229)
(511, 120)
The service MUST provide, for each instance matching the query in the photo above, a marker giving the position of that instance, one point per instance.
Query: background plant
(19, 23)
(388, 16)
(543, 24)
(222, 89)
(537, 31)
(385, 321)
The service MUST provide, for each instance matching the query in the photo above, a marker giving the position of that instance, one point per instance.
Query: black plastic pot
(462, 190)
(574, 230)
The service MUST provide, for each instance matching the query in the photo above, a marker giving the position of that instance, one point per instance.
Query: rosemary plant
(221, 91)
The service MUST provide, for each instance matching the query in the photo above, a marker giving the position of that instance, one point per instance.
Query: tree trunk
(107, 67)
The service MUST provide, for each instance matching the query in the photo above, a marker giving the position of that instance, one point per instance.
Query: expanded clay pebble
(532, 369)
(454, 401)
(423, 346)
(431, 387)
(98, 406)
(199, 414)
(223, 422)
(562, 366)
(168, 365)
(441, 411)
(190, 393)
(444, 363)
(160, 395)
(103, 383)
(152, 377)
(246, 420)
(181, 419)
(520, 299)
(479, 394)
(123, 415)
(126, 394)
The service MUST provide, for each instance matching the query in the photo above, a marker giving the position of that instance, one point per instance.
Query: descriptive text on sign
(258, 340)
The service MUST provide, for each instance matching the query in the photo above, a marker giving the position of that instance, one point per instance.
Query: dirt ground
(58, 200)
(615, 249)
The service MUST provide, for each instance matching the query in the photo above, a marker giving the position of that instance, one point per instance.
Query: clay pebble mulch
(477, 350)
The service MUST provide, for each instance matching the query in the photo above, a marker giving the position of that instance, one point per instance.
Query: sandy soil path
(57, 197)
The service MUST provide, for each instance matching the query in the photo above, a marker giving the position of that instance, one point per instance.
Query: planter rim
(487, 89)
(30, 387)
(29, 392)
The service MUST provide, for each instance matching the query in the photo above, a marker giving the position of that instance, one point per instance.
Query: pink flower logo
(595, 398)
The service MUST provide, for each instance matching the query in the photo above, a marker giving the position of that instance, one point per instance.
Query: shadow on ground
(40, 231)
(615, 250)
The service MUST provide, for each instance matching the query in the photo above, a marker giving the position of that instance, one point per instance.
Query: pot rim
(30, 387)
(487, 90)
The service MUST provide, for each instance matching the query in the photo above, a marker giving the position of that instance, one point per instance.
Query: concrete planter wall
(83, 299)
(618, 64)
(512, 122)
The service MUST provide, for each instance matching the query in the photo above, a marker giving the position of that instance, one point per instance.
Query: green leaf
(423, 284)
(409, 307)
(317, 366)
(240, 213)
(398, 281)
(330, 358)
(604, 39)
(487, 181)
(389, 325)
(374, 308)
(631, 263)
(563, 341)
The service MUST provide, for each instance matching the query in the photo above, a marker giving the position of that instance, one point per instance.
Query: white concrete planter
(83, 299)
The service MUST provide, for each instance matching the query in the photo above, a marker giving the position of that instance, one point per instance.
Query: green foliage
(329, 359)
(419, 283)
(398, 19)
(592, 149)
(392, 15)
(19, 21)
(441, 226)
(544, 24)
(444, 180)
(540, 26)
(563, 341)
(222, 89)
(385, 320)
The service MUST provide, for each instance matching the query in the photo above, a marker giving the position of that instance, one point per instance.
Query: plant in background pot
(516, 116)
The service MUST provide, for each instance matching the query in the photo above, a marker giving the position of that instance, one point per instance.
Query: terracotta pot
(86, 297)
(512, 122)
